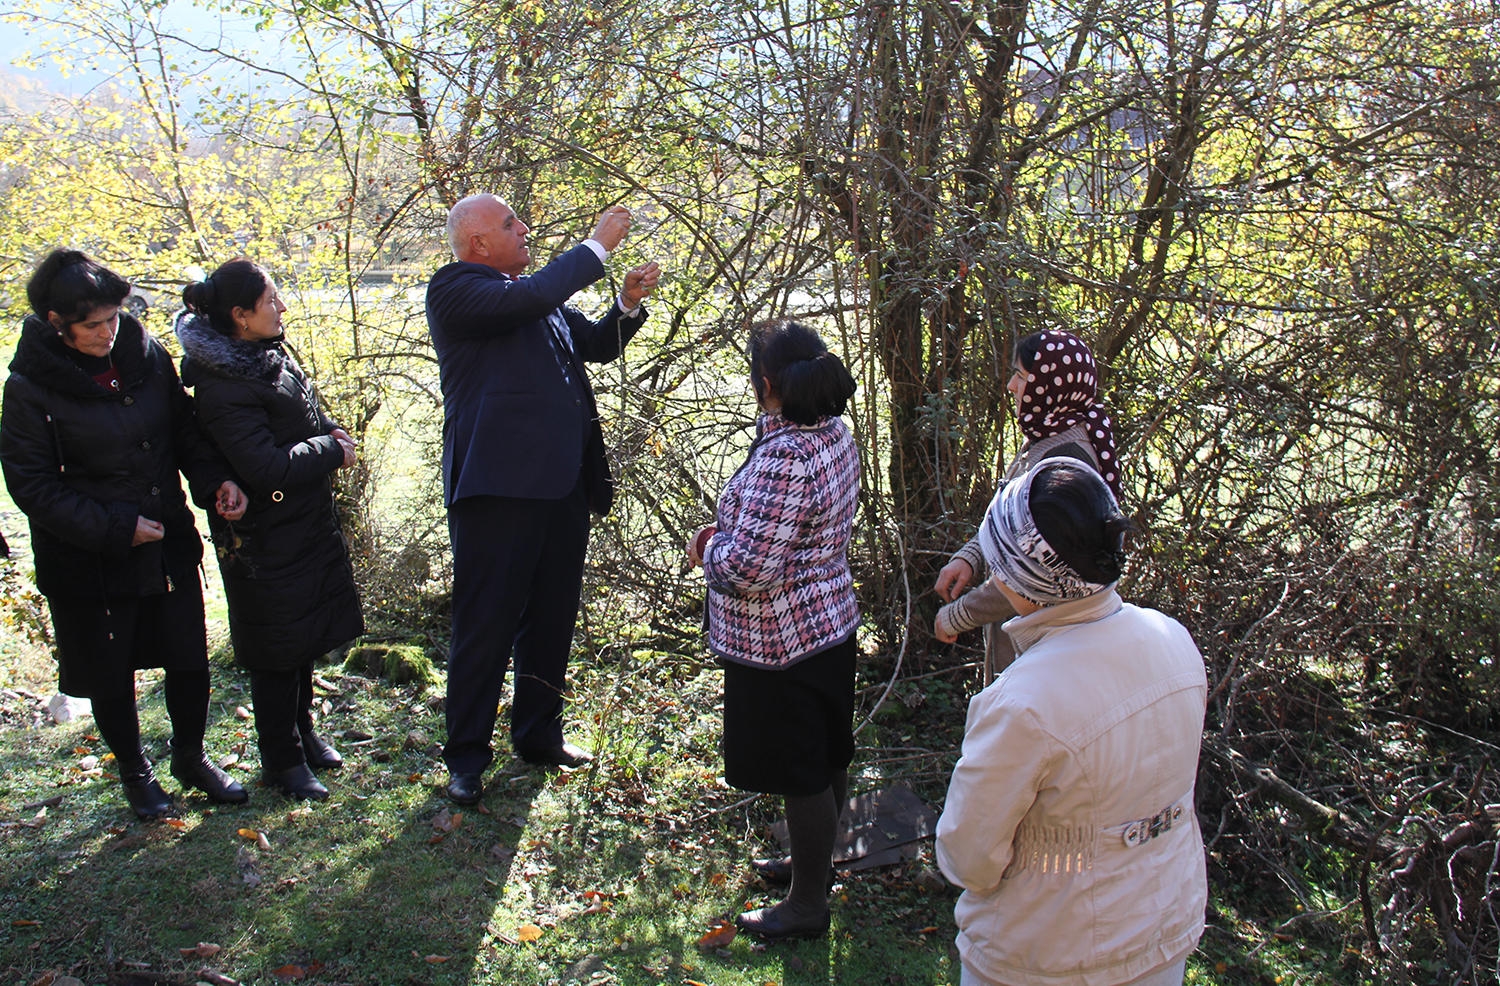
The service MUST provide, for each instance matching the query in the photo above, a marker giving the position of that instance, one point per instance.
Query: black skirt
(103, 641)
(789, 731)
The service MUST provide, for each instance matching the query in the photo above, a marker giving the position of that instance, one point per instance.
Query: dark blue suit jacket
(513, 425)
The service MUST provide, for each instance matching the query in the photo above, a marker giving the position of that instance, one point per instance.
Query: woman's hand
(348, 444)
(231, 503)
(147, 530)
(698, 543)
(942, 627)
(953, 580)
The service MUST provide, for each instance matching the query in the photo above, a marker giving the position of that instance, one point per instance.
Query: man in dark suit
(523, 465)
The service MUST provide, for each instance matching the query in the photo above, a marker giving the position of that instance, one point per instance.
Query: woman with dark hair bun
(1054, 382)
(1069, 820)
(285, 563)
(94, 431)
(782, 612)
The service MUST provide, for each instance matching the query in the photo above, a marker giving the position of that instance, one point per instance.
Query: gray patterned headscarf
(1019, 556)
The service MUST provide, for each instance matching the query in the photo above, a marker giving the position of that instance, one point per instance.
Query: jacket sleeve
(981, 605)
(197, 458)
(754, 553)
(31, 463)
(604, 340)
(1004, 763)
(241, 427)
(471, 302)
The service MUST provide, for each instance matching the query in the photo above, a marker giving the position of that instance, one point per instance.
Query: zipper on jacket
(56, 441)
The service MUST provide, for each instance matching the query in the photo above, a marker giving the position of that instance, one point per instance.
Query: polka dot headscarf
(1062, 384)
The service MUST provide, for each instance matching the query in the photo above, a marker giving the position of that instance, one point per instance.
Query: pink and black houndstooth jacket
(779, 587)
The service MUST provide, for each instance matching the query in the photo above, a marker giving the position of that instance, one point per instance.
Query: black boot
(201, 773)
(146, 797)
(318, 751)
(296, 782)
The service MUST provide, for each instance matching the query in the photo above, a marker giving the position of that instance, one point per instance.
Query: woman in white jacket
(1069, 820)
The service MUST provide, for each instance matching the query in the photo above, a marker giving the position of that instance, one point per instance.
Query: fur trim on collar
(222, 356)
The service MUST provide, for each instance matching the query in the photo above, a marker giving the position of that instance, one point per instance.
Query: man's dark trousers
(517, 579)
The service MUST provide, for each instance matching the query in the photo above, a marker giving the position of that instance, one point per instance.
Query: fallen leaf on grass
(528, 932)
(240, 712)
(437, 959)
(719, 934)
(175, 823)
(255, 836)
(217, 978)
(81, 750)
(25, 923)
(298, 971)
(447, 821)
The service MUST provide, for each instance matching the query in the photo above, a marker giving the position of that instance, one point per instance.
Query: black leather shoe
(561, 755)
(201, 773)
(465, 789)
(320, 753)
(766, 924)
(296, 782)
(146, 797)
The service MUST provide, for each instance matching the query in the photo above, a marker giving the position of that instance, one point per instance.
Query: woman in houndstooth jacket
(782, 612)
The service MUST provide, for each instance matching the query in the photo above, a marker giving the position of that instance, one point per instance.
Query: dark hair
(1028, 348)
(69, 283)
(810, 382)
(235, 284)
(1074, 510)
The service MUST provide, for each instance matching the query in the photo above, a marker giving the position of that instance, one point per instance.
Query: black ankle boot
(199, 772)
(296, 782)
(318, 752)
(146, 797)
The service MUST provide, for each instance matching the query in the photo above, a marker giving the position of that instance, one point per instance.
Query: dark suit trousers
(517, 578)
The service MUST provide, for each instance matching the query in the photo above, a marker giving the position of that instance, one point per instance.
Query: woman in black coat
(285, 563)
(94, 430)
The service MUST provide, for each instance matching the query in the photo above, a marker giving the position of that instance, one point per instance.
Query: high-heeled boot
(296, 782)
(200, 772)
(317, 751)
(145, 795)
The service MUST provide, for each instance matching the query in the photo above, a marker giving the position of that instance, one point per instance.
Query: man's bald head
(483, 229)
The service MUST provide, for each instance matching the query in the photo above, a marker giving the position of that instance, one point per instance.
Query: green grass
(622, 866)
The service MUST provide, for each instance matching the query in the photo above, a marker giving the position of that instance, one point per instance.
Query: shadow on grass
(380, 884)
(609, 874)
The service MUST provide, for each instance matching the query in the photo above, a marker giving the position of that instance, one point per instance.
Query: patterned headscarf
(1016, 552)
(1061, 391)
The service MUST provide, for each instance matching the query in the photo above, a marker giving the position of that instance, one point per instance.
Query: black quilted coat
(285, 564)
(83, 462)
